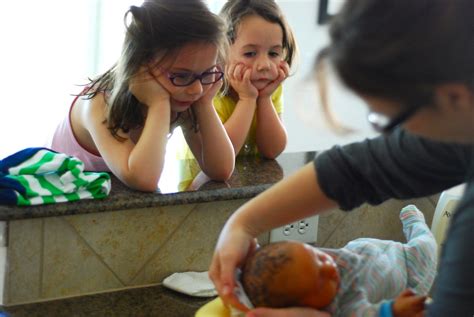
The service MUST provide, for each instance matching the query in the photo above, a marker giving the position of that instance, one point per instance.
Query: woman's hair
(402, 49)
(234, 11)
(155, 30)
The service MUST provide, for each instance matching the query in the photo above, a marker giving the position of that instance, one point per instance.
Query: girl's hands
(145, 86)
(239, 78)
(206, 99)
(233, 247)
(283, 71)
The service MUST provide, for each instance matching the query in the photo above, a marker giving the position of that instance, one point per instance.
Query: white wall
(307, 129)
(50, 46)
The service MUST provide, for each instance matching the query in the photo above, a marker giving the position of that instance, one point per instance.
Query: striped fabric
(37, 176)
(373, 272)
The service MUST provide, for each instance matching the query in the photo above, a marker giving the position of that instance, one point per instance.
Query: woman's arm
(297, 196)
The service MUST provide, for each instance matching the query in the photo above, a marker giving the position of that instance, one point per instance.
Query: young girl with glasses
(166, 76)
(262, 49)
(413, 64)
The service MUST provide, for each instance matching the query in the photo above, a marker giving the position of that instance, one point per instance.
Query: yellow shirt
(225, 106)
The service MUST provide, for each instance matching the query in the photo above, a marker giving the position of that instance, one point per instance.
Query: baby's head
(289, 274)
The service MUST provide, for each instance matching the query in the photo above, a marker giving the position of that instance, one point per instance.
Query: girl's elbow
(144, 184)
(272, 153)
(222, 174)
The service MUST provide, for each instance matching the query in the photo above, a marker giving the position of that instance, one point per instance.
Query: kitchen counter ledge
(182, 184)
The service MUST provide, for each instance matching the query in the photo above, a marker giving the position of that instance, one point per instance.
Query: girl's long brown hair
(154, 30)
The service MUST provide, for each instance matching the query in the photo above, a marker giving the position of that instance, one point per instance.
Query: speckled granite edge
(144, 301)
(132, 200)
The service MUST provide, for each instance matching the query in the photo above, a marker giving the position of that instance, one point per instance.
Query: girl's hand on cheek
(283, 71)
(212, 90)
(145, 86)
(239, 78)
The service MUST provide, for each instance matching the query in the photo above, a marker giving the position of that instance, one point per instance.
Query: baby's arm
(271, 134)
(239, 123)
(138, 165)
(210, 145)
(355, 303)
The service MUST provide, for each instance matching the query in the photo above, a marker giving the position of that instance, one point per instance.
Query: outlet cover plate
(304, 230)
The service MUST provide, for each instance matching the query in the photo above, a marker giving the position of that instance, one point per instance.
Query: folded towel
(191, 283)
(37, 176)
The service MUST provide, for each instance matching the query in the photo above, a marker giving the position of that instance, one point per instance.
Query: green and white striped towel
(37, 176)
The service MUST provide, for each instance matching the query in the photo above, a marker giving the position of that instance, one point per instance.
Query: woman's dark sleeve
(399, 165)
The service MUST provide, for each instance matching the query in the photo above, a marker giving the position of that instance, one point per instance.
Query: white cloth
(191, 283)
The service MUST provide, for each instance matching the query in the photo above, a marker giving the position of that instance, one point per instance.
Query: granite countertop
(181, 183)
(137, 302)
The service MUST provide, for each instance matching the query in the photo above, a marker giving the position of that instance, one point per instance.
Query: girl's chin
(260, 84)
(180, 106)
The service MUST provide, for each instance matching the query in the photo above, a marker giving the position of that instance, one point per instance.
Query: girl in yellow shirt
(262, 49)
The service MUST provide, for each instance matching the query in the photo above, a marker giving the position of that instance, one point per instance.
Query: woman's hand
(145, 86)
(283, 71)
(286, 312)
(233, 247)
(238, 76)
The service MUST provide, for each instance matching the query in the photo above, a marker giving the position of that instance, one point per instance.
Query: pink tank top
(64, 141)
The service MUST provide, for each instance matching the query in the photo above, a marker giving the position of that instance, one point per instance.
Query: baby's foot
(411, 214)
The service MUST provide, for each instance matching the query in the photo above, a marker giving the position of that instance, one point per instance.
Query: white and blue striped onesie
(373, 271)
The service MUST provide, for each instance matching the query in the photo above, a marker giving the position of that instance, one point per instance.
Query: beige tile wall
(82, 254)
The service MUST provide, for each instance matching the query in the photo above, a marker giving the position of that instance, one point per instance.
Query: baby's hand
(408, 304)
(145, 86)
(239, 78)
(283, 71)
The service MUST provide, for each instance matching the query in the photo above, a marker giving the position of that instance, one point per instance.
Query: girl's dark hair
(154, 30)
(234, 11)
(402, 49)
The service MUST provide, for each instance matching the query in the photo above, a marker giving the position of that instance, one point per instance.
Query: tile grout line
(334, 230)
(161, 246)
(41, 268)
(94, 252)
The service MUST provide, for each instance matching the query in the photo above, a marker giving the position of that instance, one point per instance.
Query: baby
(367, 277)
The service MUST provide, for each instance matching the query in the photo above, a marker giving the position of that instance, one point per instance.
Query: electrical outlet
(304, 230)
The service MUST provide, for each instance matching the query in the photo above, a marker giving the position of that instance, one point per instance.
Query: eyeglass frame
(392, 123)
(219, 73)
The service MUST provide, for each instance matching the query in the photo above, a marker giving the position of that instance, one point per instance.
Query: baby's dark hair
(402, 49)
(234, 11)
(154, 30)
(259, 271)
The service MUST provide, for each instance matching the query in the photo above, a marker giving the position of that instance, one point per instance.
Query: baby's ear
(328, 272)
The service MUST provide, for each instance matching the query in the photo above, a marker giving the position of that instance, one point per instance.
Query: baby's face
(258, 45)
(328, 276)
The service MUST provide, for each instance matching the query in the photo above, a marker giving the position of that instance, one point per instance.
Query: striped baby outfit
(37, 176)
(373, 272)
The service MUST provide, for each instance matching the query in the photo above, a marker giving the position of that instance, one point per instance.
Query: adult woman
(413, 63)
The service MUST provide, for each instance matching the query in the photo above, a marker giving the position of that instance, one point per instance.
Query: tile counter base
(57, 257)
